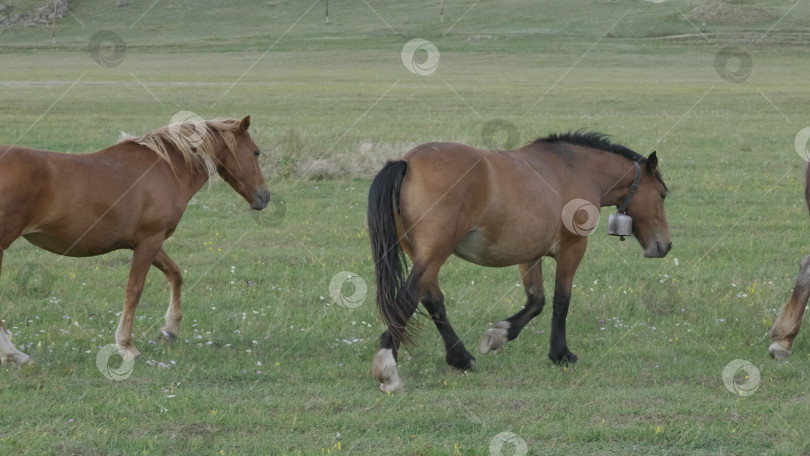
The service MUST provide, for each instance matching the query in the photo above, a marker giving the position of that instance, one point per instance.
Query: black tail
(386, 251)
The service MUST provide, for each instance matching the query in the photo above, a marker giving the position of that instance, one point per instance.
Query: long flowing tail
(386, 251)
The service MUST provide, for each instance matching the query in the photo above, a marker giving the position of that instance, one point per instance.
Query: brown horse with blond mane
(499, 209)
(128, 196)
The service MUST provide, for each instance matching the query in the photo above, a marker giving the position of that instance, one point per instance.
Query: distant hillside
(243, 24)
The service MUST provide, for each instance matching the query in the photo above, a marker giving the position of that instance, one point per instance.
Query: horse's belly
(74, 247)
(476, 248)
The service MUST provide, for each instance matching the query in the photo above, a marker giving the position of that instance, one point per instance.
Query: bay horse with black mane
(499, 209)
(128, 196)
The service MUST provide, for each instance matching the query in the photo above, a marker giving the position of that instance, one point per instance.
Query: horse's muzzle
(260, 200)
(658, 250)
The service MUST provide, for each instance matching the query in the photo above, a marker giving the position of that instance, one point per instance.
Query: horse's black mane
(592, 139)
(599, 141)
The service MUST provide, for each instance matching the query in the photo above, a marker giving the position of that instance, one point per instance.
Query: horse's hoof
(384, 370)
(130, 353)
(21, 358)
(566, 358)
(168, 336)
(462, 361)
(494, 338)
(778, 352)
(17, 359)
(392, 386)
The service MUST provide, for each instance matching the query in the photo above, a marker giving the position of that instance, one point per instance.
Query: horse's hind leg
(8, 352)
(422, 283)
(786, 327)
(175, 311)
(384, 365)
(456, 354)
(506, 330)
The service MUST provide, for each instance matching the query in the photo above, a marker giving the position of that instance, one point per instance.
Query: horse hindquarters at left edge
(498, 209)
(130, 195)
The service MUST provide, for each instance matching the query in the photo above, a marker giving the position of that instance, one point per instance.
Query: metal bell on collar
(620, 225)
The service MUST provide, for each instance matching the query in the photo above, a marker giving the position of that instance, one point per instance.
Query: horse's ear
(652, 163)
(244, 124)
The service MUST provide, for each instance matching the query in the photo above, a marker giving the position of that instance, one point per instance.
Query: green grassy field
(268, 363)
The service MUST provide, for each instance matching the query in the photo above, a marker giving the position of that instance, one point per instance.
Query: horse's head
(647, 210)
(240, 168)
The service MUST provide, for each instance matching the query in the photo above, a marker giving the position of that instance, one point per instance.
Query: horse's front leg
(567, 263)
(8, 352)
(143, 256)
(507, 330)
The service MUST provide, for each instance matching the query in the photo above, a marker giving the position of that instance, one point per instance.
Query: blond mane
(195, 142)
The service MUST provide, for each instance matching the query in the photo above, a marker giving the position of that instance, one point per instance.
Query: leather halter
(633, 189)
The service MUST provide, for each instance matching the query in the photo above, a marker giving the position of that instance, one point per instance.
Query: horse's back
(16, 156)
(21, 170)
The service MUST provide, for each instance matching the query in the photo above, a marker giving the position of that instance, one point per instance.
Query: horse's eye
(663, 196)
(256, 153)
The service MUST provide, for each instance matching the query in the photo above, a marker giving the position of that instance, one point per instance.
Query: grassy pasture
(267, 363)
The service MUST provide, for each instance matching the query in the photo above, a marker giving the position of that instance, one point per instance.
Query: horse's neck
(193, 176)
(612, 174)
